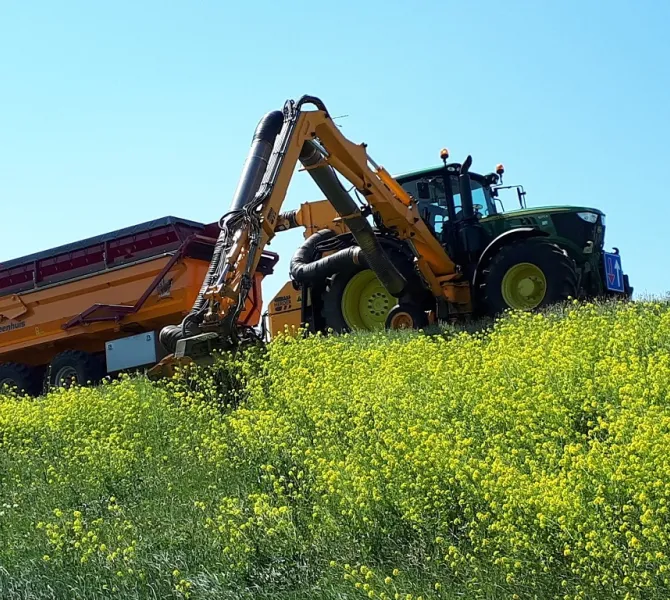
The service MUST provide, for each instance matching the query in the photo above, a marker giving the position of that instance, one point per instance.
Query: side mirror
(423, 189)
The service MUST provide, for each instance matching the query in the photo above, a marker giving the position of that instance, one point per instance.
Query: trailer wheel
(74, 367)
(20, 376)
(527, 275)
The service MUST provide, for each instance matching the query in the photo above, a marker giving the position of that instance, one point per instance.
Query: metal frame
(31, 273)
(118, 311)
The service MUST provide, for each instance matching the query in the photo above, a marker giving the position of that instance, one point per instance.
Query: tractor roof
(452, 167)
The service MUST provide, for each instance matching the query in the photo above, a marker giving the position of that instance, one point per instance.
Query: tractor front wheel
(527, 275)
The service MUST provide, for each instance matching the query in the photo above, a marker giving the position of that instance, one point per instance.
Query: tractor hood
(544, 210)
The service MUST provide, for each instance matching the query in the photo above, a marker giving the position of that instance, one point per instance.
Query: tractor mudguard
(503, 239)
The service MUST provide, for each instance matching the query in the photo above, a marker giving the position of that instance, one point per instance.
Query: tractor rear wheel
(355, 299)
(527, 275)
(23, 377)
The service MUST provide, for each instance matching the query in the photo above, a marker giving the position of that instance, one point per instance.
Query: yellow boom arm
(311, 138)
(398, 211)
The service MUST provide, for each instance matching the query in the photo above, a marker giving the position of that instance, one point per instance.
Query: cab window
(434, 207)
(481, 200)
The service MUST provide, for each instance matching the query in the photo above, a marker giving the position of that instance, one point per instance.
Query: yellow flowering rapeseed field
(528, 460)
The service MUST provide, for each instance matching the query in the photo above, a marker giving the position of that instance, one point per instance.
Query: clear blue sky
(117, 113)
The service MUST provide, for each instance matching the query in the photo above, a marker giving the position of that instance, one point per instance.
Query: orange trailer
(95, 307)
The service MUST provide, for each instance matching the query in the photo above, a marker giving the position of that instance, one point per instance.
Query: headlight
(589, 217)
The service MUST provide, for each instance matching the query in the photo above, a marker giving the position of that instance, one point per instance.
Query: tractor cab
(456, 222)
(578, 231)
(427, 187)
(440, 205)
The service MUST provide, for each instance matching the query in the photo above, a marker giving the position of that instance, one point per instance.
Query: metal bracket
(197, 347)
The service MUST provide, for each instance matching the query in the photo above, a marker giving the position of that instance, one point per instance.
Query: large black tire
(334, 291)
(557, 269)
(23, 377)
(331, 310)
(75, 367)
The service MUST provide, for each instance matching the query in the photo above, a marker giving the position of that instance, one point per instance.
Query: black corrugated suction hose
(305, 269)
(254, 168)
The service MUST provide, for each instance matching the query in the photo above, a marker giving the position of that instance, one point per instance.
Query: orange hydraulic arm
(313, 140)
(312, 216)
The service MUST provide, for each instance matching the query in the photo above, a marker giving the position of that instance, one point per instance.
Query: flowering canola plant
(528, 460)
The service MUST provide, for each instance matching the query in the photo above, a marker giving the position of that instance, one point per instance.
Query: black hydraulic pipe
(253, 171)
(327, 180)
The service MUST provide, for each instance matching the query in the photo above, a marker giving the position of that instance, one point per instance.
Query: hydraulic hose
(251, 178)
(327, 180)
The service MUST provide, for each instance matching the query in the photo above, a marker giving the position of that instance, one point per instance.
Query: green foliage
(526, 460)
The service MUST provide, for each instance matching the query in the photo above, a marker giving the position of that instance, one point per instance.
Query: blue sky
(117, 113)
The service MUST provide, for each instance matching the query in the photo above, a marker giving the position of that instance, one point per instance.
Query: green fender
(507, 237)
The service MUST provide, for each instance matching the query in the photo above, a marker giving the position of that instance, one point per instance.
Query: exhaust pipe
(250, 181)
(472, 239)
(465, 187)
(370, 248)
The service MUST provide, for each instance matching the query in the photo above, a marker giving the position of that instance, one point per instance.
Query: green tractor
(521, 259)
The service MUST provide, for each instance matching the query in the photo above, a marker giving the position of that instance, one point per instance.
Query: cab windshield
(435, 208)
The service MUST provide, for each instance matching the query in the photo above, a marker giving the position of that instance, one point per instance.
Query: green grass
(527, 460)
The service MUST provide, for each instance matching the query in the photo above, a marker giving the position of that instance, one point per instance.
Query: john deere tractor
(523, 259)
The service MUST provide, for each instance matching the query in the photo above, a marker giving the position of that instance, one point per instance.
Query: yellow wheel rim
(524, 286)
(365, 302)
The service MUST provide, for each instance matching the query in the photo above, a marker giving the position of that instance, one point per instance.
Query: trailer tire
(80, 368)
(24, 377)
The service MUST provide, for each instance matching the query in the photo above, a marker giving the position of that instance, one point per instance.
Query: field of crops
(530, 461)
